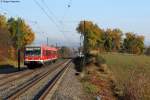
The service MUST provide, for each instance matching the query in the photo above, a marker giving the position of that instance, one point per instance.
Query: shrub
(90, 88)
(78, 61)
(90, 59)
(100, 60)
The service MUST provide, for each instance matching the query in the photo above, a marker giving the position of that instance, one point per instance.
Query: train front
(32, 57)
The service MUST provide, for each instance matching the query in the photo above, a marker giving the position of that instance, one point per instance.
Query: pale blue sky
(128, 15)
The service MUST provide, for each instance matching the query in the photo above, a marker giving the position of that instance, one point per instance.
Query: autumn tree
(65, 52)
(112, 39)
(133, 43)
(4, 38)
(116, 39)
(91, 34)
(3, 22)
(109, 40)
(101, 41)
(21, 33)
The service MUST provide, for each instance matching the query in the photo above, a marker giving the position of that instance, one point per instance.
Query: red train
(39, 55)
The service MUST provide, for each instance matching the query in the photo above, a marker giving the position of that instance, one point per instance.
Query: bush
(100, 60)
(78, 61)
(90, 88)
(90, 59)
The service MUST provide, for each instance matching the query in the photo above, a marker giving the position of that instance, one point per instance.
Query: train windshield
(33, 51)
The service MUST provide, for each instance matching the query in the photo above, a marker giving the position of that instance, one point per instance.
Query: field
(123, 65)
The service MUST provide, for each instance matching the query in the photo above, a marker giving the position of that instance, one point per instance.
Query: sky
(59, 22)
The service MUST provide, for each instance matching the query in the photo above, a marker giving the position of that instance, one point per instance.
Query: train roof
(44, 47)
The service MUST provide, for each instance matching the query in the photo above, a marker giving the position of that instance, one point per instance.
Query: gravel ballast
(70, 88)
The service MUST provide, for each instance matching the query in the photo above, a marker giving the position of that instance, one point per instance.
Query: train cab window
(46, 52)
(54, 52)
(33, 51)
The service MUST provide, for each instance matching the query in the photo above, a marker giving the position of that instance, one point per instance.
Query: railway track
(26, 87)
(50, 88)
(18, 75)
(8, 86)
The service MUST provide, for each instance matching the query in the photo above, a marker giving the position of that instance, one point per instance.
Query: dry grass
(131, 73)
(97, 83)
(135, 87)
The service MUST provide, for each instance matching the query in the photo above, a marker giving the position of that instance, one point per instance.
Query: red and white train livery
(38, 55)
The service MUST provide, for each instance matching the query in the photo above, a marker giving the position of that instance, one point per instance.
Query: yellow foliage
(12, 53)
(21, 33)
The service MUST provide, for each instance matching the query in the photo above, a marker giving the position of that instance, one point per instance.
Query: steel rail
(31, 83)
(52, 83)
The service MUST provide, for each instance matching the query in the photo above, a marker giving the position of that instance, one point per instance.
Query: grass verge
(132, 74)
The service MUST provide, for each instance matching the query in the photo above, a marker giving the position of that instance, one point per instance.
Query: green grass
(90, 88)
(122, 65)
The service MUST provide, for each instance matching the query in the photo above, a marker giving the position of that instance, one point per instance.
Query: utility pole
(84, 46)
(80, 46)
(19, 47)
(84, 39)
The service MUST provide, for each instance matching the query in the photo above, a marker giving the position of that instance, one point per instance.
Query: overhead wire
(45, 12)
(40, 30)
(43, 1)
(51, 19)
(53, 15)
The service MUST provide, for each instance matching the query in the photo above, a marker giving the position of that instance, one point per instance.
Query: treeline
(109, 40)
(147, 51)
(65, 52)
(14, 34)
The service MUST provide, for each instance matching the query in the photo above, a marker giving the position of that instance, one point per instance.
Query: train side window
(55, 52)
(46, 52)
(52, 52)
(49, 52)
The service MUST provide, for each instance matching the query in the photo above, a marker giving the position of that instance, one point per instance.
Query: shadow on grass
(6, 69)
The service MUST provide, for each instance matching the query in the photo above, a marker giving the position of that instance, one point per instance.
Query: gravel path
(70, 88)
